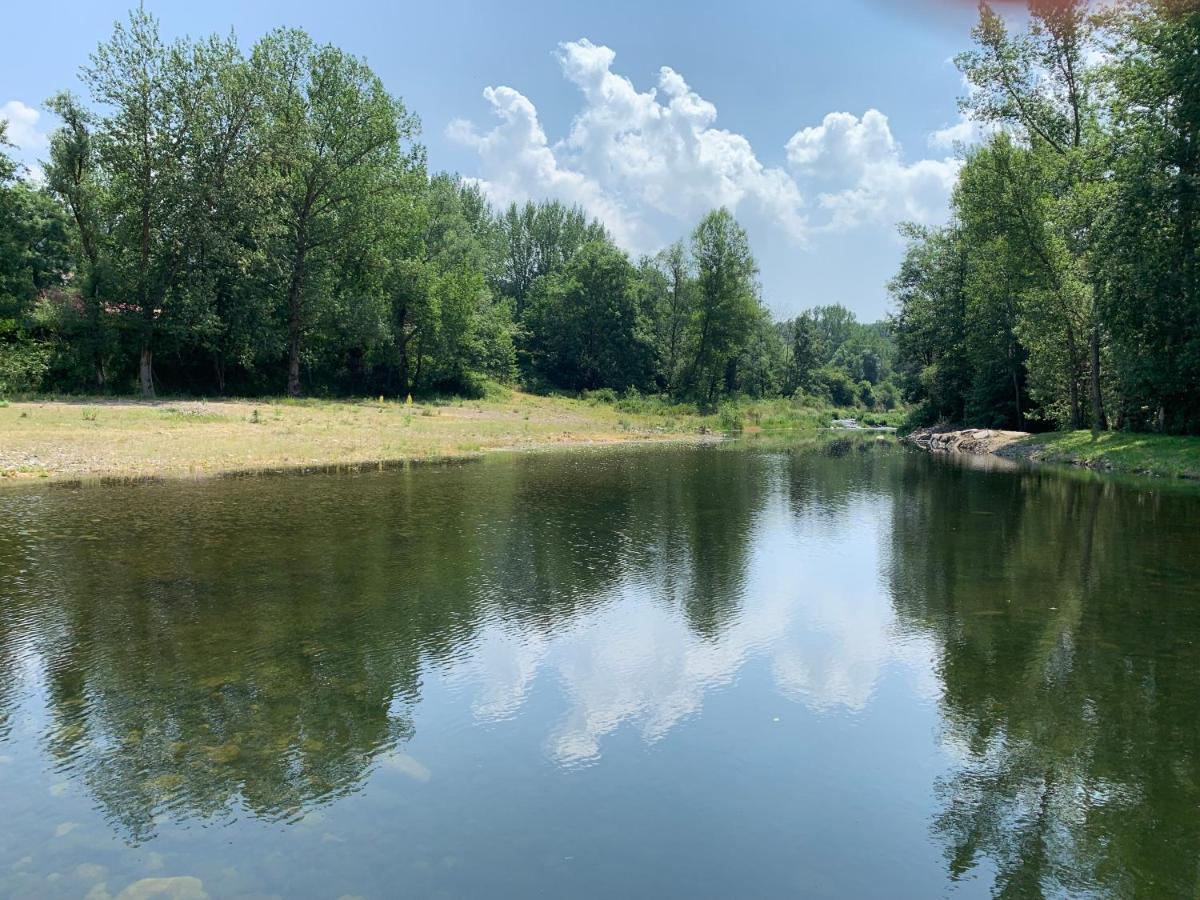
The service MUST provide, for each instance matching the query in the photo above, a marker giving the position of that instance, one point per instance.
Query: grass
(1142, 454)
(81, 438)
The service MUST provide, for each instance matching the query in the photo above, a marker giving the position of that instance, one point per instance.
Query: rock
(975, 441)
(181, 887)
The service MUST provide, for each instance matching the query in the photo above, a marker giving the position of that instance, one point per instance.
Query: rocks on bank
(974, 441)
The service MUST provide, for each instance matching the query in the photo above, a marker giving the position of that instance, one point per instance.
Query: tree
(539, 239)
(334, 136)
(931, 324)
(445, 326)
(585, 324)
(726, 306)
(1037, 83)
(671, 288)
(139, 83)
(1149, 245)
(34, 257)
(807, 353)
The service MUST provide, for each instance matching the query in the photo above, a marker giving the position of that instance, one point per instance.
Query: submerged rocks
(855, 425)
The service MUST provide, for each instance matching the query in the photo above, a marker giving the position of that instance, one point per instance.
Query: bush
(842, 392)
(603, 395)
(730, 417)
(22, 367)
(480, 387)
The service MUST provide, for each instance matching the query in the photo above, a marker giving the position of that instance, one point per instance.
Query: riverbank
(132, 439)
(1164, 456)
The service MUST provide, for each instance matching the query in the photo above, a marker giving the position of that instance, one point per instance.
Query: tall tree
(1037, 82)
(334, 135)
(585, 323)
(539, 239)
(726, 306)
(672, 288)
(138, 82)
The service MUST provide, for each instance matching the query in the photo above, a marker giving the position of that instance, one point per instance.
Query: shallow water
(633, 672)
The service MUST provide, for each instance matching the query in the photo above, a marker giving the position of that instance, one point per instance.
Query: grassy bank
(92, 438)
(1143, 454)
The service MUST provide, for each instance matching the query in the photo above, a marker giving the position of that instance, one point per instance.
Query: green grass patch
(1168, 456)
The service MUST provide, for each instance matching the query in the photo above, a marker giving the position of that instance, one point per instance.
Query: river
(633, 672)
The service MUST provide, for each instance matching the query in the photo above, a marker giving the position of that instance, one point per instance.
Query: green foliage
(585, 325)
(730, 417)
(217, 220)
(726, 307)
(1066, 290)
(22, 366)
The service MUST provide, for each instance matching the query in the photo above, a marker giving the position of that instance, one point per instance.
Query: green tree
(807, 353)
(931, 323)
(671, 287)
(1150, 244)
(1038, 83)
(585, 325)
(334, 136)
(538, 239)
(726, 308)
(138, 82)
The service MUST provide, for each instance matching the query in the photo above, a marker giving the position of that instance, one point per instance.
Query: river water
(696, 672)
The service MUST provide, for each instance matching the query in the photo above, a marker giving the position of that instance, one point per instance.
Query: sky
(821, 125)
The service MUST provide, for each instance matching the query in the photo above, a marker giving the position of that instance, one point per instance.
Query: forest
(215, 222)
(1065, 292)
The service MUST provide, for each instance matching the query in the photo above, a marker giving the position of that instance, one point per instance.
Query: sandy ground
(105, 438)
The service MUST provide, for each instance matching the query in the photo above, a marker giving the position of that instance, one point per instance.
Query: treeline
(1065, 291)
(214, 221)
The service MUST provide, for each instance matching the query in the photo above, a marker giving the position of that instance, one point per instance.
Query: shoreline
(1129, 453)
(113, 440)
(91, 440)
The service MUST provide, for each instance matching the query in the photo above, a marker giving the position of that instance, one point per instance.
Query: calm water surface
(628, 673)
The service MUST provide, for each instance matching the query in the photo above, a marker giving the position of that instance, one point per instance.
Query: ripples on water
(698, 672)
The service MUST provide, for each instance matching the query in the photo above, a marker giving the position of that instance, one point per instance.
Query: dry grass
(135, 439)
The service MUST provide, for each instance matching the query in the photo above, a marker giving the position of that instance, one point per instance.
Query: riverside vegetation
(221, 222)
(1065, 291)
(76, 438)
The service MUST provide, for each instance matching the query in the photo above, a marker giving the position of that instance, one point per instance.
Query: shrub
(22, 367)
(730, 417)
(601, 395)
(839, 388)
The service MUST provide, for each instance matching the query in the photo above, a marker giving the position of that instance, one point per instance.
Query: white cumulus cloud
(877, 184)
(631, 157)
(649, 162)
(23, 128)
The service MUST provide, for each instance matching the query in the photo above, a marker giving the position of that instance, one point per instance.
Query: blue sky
(821, 124)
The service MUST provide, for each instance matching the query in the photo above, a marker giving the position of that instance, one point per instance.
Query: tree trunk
(146, 370)
(1099, 422)
(294, 329)
(293, 381)
(1017, 399)
(295, 322)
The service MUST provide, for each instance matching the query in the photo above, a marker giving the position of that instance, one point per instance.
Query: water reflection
(1021, 646)
(262, 642)
(1066, 613)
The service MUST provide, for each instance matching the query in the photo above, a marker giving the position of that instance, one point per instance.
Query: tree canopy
(1065, 290)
